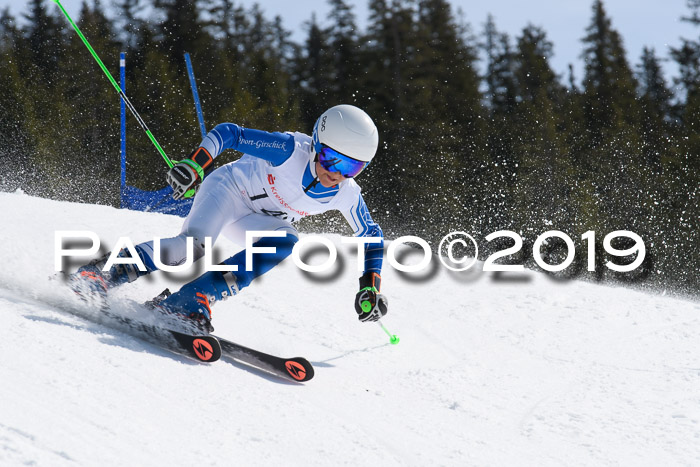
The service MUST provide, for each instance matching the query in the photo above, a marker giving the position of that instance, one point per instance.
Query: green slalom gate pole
(116, 86)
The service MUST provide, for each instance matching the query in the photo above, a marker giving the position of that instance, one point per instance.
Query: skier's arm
(370, 305)
(188, 173)
(273, 147)
(361, 222)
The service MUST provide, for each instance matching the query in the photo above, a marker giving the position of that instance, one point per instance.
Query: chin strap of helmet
(315, 182)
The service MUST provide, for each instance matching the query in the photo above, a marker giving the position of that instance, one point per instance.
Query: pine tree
(613, 159)
(222, 87)
(267, 78)
(656, 108)
(389, 41)
(385, 96)
(313, 75)
(444, 115)
(17, 145)
(680, 178)
(130, 25)
(609, 85)
(228, 30)
(89, 106)
(543, 184)
(343, 41)
(46, 49)
(44, 33)
(688, 58)
(501, 101)
(181, 31)
(499, 69)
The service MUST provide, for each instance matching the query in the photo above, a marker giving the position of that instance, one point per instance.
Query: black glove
(186, 175)
(370, 305)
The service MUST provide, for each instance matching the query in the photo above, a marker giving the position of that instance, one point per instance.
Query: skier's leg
(217, 203)
(194, 298)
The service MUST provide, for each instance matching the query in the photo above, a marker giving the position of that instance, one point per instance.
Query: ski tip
(299, 369)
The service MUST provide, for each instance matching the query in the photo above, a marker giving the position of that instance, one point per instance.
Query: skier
(281, 178)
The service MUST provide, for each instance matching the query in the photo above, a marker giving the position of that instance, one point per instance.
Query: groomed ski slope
(488, 372)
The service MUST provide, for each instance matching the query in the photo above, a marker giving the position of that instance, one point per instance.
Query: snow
(491, 370)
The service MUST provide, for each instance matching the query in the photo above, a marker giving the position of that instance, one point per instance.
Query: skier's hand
(370, 305)
(185, 176)
(182, 178)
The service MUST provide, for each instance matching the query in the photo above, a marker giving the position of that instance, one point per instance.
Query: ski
(203, 347)
(188, 340)
(195, 342)
(296, 369)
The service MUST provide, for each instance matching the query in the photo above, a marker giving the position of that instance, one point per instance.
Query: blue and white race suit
(273, 185)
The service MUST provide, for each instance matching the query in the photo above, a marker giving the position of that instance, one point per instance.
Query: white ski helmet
(347, 130)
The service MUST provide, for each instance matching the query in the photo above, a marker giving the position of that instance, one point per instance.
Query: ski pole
(116, 86)
(393, 338)
(367, 307)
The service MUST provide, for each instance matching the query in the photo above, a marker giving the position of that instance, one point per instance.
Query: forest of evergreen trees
(516, 147)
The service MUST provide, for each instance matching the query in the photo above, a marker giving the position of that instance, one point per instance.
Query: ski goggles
(333, 161)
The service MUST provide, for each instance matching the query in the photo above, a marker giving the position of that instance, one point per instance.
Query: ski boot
(90, 279)
(88, 283)
(194, 299)
(195, 308)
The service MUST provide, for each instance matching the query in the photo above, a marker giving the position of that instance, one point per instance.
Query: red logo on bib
(270, 179)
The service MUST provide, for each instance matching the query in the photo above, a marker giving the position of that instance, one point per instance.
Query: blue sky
(652, 23)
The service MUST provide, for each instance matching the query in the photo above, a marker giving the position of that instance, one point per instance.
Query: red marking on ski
(203, 349)
(296, 370)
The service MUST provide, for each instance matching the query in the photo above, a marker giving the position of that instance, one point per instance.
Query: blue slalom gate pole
(200, 116)
(122, 79)
(195, 95)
